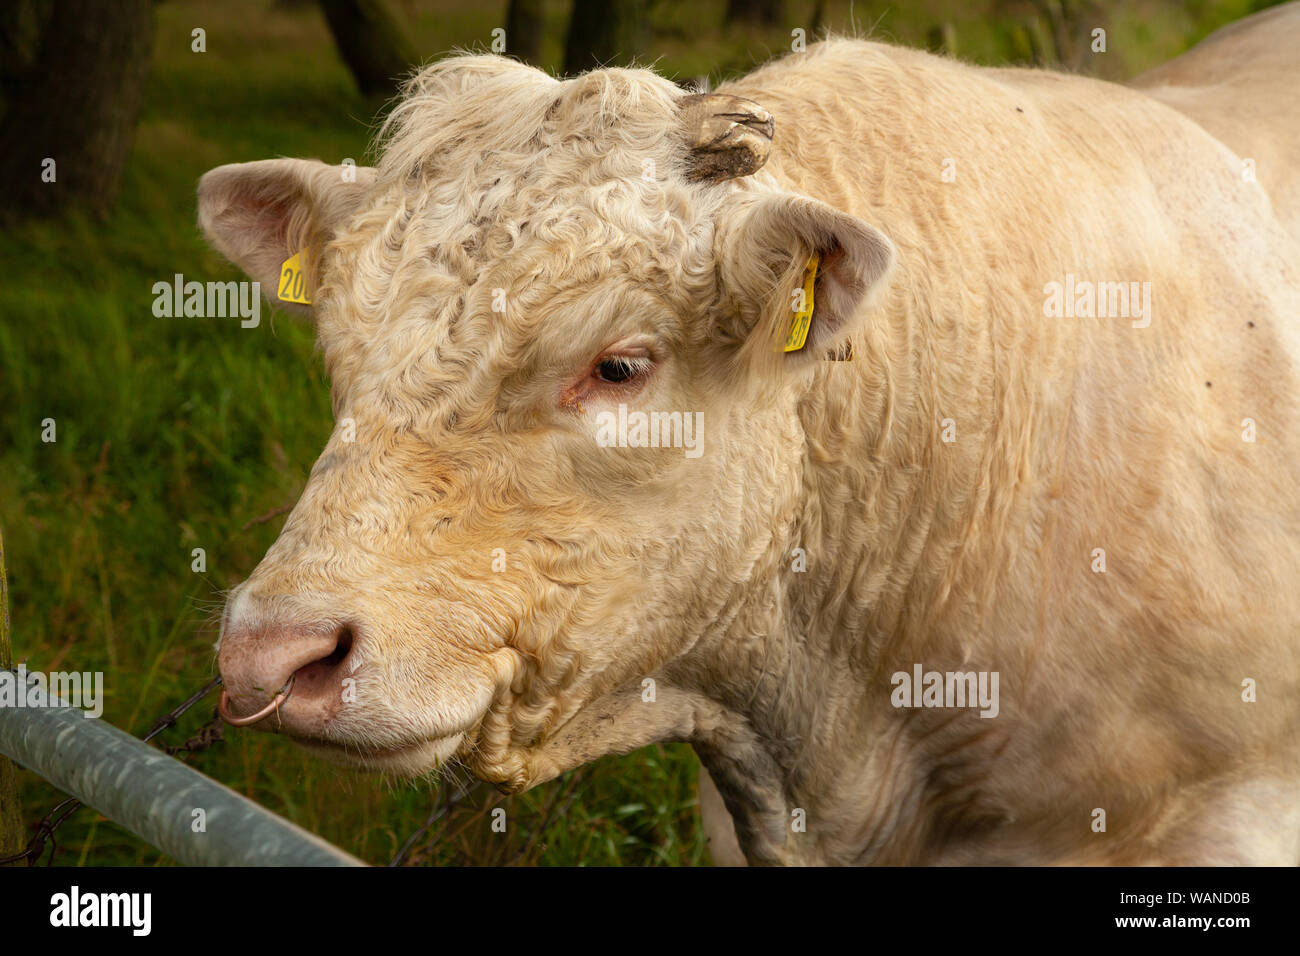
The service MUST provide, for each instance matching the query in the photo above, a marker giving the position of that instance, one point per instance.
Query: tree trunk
(818, 18)
(75, 102)
(524, 22)
(372, 42)
(767, 13)
(604, 33)
(11, 814)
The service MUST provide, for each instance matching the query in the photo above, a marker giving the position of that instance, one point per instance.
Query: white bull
(1001, 564)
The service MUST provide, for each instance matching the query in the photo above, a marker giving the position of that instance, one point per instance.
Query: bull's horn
(728, 136)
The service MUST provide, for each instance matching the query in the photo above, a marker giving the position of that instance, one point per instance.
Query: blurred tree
(1071, 23)
(71, 83)
(1053, 33)
(605, 33)
(11, 814)
(371, 39)
(818, 17)
(766, 13)
(524, 21)
(942, 38)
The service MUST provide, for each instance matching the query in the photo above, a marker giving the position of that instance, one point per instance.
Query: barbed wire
(435, 815)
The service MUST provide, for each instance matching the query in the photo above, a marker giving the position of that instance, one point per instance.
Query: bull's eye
(619, 369)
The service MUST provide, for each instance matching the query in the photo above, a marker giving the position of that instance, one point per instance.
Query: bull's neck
(892, 482)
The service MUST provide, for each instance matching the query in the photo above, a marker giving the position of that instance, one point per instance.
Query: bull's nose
(257, 662)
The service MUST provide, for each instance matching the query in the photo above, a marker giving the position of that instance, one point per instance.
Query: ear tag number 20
(802, 320)
(293, 283)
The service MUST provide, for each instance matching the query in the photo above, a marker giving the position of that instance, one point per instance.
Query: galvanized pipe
(155, 796)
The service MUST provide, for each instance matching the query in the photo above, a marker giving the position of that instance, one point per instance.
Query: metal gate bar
(153, 795)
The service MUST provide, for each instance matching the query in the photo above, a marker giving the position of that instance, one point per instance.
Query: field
(175, 434)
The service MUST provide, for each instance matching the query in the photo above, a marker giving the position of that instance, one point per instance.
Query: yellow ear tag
(293, 283)
(802, 320)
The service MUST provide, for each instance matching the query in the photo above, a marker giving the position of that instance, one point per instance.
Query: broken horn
(727, 136)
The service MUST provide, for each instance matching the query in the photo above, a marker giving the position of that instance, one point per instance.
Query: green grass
(174, 433)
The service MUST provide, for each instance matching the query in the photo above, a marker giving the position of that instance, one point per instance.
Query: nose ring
(223, 706)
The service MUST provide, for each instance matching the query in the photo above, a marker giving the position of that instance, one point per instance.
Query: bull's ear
(765, 246)
(259, 214)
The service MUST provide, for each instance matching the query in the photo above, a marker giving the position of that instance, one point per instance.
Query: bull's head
(493, 559)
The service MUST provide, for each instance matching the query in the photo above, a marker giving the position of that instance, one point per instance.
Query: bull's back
(1241, 86)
